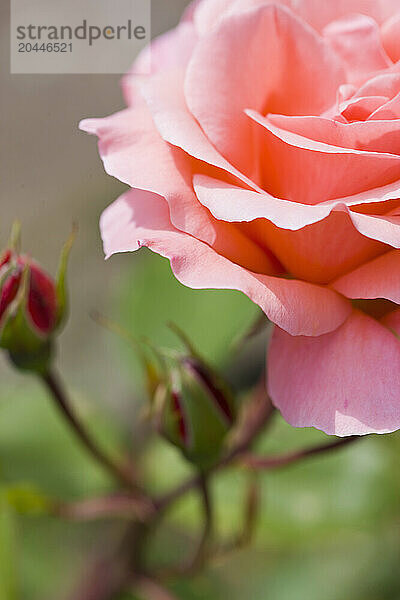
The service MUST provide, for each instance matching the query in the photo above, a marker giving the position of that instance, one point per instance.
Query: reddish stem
(258, 463)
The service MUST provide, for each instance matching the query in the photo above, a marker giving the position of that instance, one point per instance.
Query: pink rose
(263, 155)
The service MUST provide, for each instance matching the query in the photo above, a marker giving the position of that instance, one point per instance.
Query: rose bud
(195, 410)
(32, 307)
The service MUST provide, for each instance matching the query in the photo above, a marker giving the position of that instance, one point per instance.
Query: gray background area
(51, 175)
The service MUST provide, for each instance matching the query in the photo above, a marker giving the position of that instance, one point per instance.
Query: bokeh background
(329, 528)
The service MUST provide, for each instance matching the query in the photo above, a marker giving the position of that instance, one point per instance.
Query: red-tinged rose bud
(32, 307)
(5, 258)
(42, 300)
(194, 410)
(9, 289)
(217, 389)
(178, 415)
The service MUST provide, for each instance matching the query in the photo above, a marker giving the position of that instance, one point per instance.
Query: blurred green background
(329, 527)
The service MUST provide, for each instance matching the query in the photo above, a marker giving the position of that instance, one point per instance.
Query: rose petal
(320, 252)
(390, 110)
(169, 51)
(381, 194)
(234, 204)
(208, 12)
(130, 146)
(379, 278)
(359, 109)
(391, 36)
(165, 99)
(306, 171)
(384, 229)
(277, 44)
(316, 12)
(319, 14)
(369, 136)
(345, 92)
(392, 321)
(346, 382)
(190, 10)
(135, 220)
(356, 39)
(384, 84)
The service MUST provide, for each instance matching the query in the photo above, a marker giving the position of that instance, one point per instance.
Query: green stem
(119, 471)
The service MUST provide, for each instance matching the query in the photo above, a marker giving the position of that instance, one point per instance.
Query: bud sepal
(194, 410)
(32, 308)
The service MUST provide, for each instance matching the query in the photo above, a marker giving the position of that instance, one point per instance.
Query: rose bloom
(262, 151)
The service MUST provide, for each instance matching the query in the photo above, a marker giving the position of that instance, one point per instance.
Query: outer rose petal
(141, 219)
(277, 44)
(189, 12)
(130, 146)
(392, 321)
(379, 278)
(208, 12)
(169, 51)
(346, 382)
(176, 125)
(317, 13)
(384, 229)
(231, 203)
(320, 252)
(315, 242)
(235, 204)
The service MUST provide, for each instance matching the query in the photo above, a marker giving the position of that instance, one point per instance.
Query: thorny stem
(122, 473)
